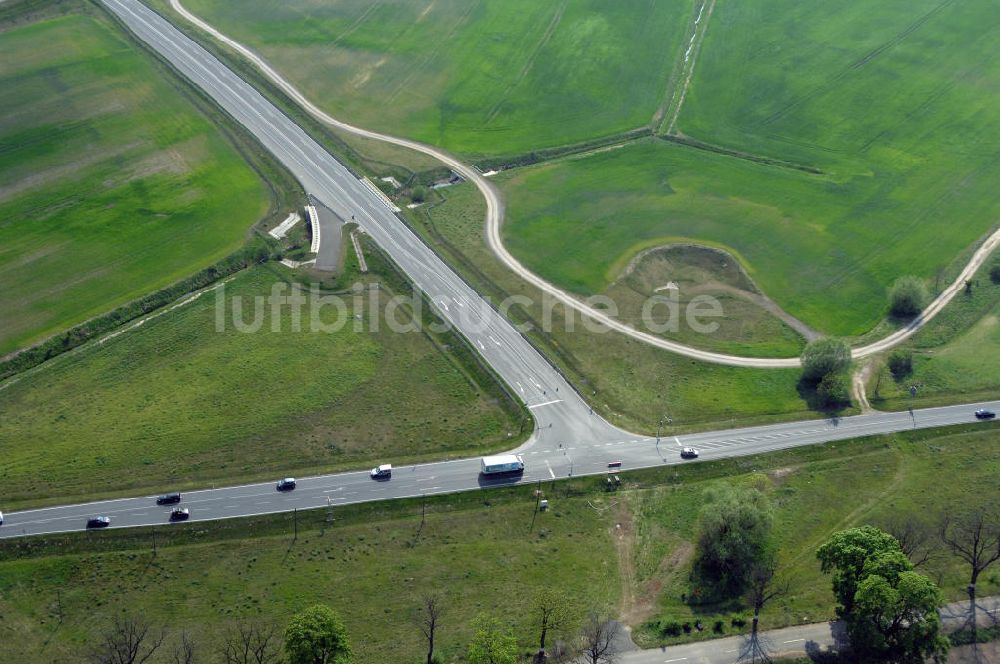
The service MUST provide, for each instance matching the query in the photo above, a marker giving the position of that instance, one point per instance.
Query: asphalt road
(569, 440)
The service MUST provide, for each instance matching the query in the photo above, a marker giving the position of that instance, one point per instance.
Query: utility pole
(538, 497)
(295, 520)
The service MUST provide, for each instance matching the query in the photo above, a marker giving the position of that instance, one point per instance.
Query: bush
(901, 364)
(418, 194)
(738, 621)
(823, 357)
(670, 628)
(833, 390)
(686, 627)
(907, 297)
(995, 273)
(719, 627)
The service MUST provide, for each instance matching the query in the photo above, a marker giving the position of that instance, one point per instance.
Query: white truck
(502, 463)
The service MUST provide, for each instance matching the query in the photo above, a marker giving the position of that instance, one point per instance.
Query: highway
(570, 439)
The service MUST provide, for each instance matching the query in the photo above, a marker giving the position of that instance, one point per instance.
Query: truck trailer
(503, 463)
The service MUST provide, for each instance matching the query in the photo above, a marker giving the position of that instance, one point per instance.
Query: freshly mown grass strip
(479, 550)
(488, 78)
(631, 383)
(112, 183)
(178, 402)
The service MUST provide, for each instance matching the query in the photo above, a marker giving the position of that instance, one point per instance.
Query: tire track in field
(495, 214)
(857, 64)
(546, 36)
(690, 59)
(353, 27)
(462, 20)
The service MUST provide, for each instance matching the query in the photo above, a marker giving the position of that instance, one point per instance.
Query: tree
(317, 636)
(995, 273)
(844, 556)
(734, 530)
(833, 390)
(598, 639)
(127, 641)
(184, 650)
(973, 536)
(492, 643)
(897, 621)
(823, 357)
(761, 589)
(430, 612)
(915, 536)
(251, 642)
(890, 610)
(907, 297)
(418, 194)
(553, 613)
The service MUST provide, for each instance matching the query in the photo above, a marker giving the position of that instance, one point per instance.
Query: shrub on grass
(907, 297)
(995, 273)
(901, 364)
(670, 628)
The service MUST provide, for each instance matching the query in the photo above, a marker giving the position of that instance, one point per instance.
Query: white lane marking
(551, 473)
(678, 441)
(496, 341)
(679, 659)
(519, 386)
(547, 403)
(793, 641)
(425, 479)
(480, 344)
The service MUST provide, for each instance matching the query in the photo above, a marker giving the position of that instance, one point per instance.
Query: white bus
(503, 463)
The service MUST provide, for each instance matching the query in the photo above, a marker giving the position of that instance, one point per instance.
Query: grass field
(623, 550)
(176, 402)
(112, 184)
(494, 77)
(825, 251)
(627, 381)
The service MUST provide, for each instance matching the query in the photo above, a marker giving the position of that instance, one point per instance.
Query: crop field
(629, 382)
(177, 402)
(804, 239)
(111, 183)
(628, 551)
(494, 77)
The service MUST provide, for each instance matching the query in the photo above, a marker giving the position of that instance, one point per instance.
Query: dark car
(286, 484)
(179, 514)
(689, 453)
(169, 499)
(99, 522)
(984, 414)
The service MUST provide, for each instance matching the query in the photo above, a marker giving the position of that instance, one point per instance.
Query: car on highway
(689, 453)
(168, 499)
(382, 472)
(286, 484)
(984, 414)
(179, 514)
(1, 518)
(99, 522)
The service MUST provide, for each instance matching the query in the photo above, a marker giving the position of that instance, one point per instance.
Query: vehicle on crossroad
(382, 472)
(99, 522)
(168, 499)
(689, 453)
(984, 414)
(286, 484)
(502, 463)
(179, 514)
(1, 518)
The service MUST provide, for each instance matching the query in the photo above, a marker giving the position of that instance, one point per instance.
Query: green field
(112, 183)
(628, 551)
(176, 402)
(629, 382)
(494, 77)
(808, 241)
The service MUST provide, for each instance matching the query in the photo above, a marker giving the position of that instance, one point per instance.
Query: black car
(99, 522)
(179, 514)
(169, 499)
(286, 484)
(984, 414)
